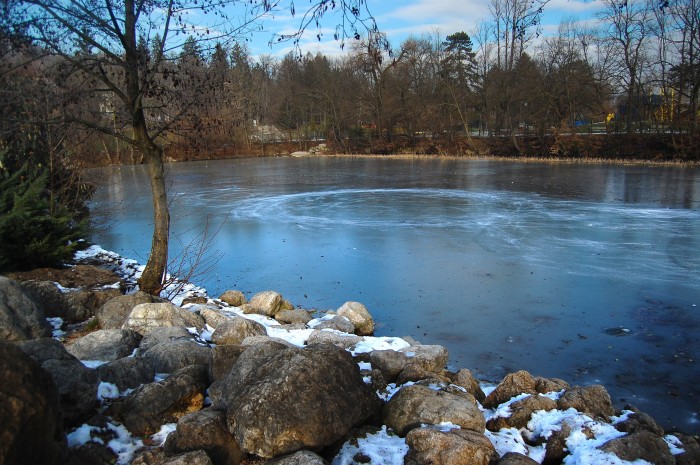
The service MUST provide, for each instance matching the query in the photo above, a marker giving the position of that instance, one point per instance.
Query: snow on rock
(582, 435)
(381, 447)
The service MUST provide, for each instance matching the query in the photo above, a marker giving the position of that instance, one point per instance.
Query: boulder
(643, 445)
(127, 373)
(21, 317)
(415, 373)
(545, 385)
(331, 337)
(158, 457)
(293, 398)
(639, 421)
(81, 305)
(233, 298)
(293, 316)
(359, 316)
(512, 385)
(267, 303)
(113, 313)
(417, 405)
(91, 454)
(521, 411)
(302, 457)
(145, 317)
(252, 340)
(222, 360)
(164, 334)
(429, 357)
(255, 356)
(212, 317)
(31, 429)
(429, 446)
(466, 379)
(49, 296)
(168, 357)
(594, 401)
(691, 450)
(76, 383)
(236, 329)
(105, 345)
(189, 458)
(514, 458)
(152, 405)
(389, 362)
(556, 449)
(205, 430)
(338, 323)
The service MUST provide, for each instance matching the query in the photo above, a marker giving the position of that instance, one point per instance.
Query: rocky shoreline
(129, 378)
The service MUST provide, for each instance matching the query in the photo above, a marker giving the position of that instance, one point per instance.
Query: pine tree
(34, 233)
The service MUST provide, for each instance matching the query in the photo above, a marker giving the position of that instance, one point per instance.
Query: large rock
(152, 405)
(233, 298)
(267, 303)
(223, 358)
(512, 385)
(81, 305)
(164, 334)
(281, 400)
(389, 362)
(514, 458)
(145, 317)
(594, 401)
(127, 373)
(106, 345)
(344, 341)
(466, 379)
(639, 421)
(429, 446)
(213, 317)
(76, 383)
(545, 385)
(21, 316)
(293, 316)
(168, 357)
(205, 430)
(338, 323)
(359, 316)
(303, 457)
(691, 450)
(158, 457)
(31, 428)
(521, 412)
(49, 296)
(236, 329)
(429, 357)
(417, 405)
(643, 445)
(113, 313)
(413, 373)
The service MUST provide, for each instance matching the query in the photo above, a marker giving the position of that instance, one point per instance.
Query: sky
(400, 20)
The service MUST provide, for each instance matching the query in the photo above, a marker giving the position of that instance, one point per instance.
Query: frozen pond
(590, 273)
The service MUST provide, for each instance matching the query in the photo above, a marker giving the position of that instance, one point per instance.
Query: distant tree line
(636, 70)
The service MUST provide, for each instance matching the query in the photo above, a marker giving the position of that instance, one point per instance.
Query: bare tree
(628, 26)
(102, 42)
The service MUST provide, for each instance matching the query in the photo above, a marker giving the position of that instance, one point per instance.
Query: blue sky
(399, 20)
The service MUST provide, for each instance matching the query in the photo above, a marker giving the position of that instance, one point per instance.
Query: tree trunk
(153, 276)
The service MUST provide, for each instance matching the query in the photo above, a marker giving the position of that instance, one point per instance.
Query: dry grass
(551, 160)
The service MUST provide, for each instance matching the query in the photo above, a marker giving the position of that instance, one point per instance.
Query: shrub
(38, 226)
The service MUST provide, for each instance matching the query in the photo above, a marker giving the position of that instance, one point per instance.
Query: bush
(38, 228)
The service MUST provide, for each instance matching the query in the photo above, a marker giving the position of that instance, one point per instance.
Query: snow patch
(380, 448)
